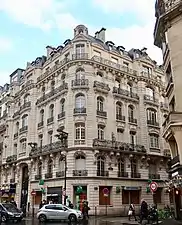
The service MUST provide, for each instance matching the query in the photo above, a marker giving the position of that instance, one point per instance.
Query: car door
(61, 213)
(51, 212)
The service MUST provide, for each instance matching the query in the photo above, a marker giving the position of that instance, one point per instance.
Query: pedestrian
(143, 211)
(131, 212)
(41, 205)
(85, 210)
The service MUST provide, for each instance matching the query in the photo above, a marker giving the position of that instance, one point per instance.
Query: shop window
(157, 196)
(79, 196)
(103, 200)
(129, 197)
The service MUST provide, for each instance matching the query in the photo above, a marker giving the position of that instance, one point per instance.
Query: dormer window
(114, 60)
(110, 44)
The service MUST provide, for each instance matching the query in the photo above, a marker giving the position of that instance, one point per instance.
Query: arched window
(121, 168)
(51, 111)
(50, 167)
(26, 98)
(80, 101)
(79, 133)
(150, 93)
(151, 116)
(101, 166)
(100, 132)
(24, 120)
(62, 105)
(130, 112)
(80, 74)
(154, 141)
(118, 110)
(80, 162)
(41, 115)
(100, 104)
(39, 169)
(134, 168)
(23, 145)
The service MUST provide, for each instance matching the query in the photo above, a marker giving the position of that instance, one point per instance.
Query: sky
(28, 26)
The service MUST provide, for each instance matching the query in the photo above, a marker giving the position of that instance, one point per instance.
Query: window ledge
(155, 149)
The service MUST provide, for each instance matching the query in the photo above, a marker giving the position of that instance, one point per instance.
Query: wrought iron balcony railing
(41, 124)
(101, 173)
(79, 110)
(48, 175)
(132, 120)
(120, 117)
(154, 176)
(125, 93)
(101, 113)
(79, 83)
(122, 174)
(38, 177)
(80, 173)
(80, 56)
(11, 158)
(50, 120)
(60, 174)
(25, 105)
(24, 129)
(61, 115)
(153, 123)
(135, 175)
(148, 98)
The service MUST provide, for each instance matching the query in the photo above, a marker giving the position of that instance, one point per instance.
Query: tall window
(61, 164)
(150, 93)
(23, 145)
(26, 98)
(50, 166)
(80, 131)
(51, 111)
(80, 101)
(41, 115)
(15, 149)
(50, 136)
(80, 49)
(40, 140)
(80, 74)
(119, 108)
(100, 166)
(24, 120)
(152, 115)
(133, 166)
(39, 168)
(129, 88)
(131, 112)
(101, 132)
(80, 163)
(132, 138)
(121, 167)
(154, 141)
(17, 127)
(100, 104)
(52, 85)
(43, 91)
(62, 105)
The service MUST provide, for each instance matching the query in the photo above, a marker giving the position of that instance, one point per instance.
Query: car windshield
(10, 207)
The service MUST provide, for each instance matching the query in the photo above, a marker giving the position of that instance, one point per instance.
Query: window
(61, 164)
(40, 140)
(52, 85)
(101, 132)
(50, 137)
(157, 196)
(50, 167)
(80, 101)
(154, 141)
(101, 166)
(133, 166)
(120, 134)
(80, 162)
(80, 49)
(129, 88)
(63, 78)
(80, 131)
(100, 104)
(15, 149)
(114, 60)
(150, 93)
(41, 115)
(51, 111)
(132, 196)
(24, 120)
(39, 168)
(152, 116)
(62, 104)
(119, 109)
(26, 98)
(17, 127)
(121, 167)
(131, 112)
(96, 53)
(132, 138)
(147, 69)
(80, 74)
(43, 91)
(126, 64)
(23, 144)
(103, 200)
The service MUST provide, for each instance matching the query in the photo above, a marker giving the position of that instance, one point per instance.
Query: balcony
(24, 129)
(118, 92)
(41, 124)
(120, 117)
(60, 174)
(25, 105)
(79, 142)
(55, 92)
(122, 174)
(135, 175)
(150, 100)
(79, 111)
(117, 145)
(50, 120)
(48, 176)
(79, 83)
(16, 135)
(132, 120)
(101, 87)
(11, 158)
(12, 180)
(61, 115)
(80, 173)
(172, 118)
(80, 56)
(38, 177)
(154, 176)
(101, 113)
(102, 173)
(175, 160)
(152, 123)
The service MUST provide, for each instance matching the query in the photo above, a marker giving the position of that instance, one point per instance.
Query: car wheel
(42, 218)
(72, 218)
(3, 218)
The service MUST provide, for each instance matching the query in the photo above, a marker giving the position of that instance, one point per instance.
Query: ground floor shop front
(104, 196)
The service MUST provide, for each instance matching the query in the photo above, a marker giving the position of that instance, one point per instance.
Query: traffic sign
(153, 186)
(33, 193)
(106, 192)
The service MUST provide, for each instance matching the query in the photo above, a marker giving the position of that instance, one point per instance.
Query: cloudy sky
(28, 26)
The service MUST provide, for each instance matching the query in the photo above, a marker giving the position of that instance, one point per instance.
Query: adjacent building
(112, 104)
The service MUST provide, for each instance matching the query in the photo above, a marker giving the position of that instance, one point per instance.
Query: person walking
(143, 211)
(131, 212)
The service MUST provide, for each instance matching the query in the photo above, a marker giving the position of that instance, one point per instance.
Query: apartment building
(168, 36)
(110, 102)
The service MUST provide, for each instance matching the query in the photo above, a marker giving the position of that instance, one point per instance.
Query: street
(94, 221)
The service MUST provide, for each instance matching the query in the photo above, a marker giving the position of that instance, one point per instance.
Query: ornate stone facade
(110, 102)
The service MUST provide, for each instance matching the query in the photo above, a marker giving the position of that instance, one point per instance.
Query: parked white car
(58, 212)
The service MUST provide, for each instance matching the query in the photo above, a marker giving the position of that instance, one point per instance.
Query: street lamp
(63, 137)
(33, 146)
